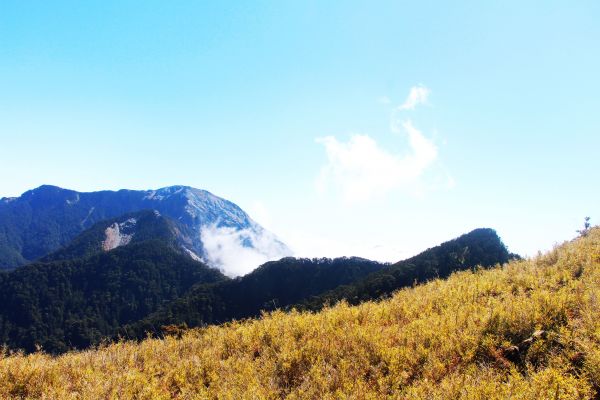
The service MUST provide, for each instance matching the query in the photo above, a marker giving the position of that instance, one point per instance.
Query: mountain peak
(159, 194)
(216, 230)
(46, 190)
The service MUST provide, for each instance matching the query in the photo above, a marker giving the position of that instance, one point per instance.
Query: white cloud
(238, 252)
(259, 213)
(418, 95)
(361, 169)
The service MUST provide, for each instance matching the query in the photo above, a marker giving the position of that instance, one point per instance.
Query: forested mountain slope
(480, 247)
(126, 229)
(76, 303)
(276, 284)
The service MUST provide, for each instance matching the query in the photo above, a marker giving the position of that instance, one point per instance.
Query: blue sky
(301, 113)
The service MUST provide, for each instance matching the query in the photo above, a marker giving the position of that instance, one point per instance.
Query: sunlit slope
(528, 330)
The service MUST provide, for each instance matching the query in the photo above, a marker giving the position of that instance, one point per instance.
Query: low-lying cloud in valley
(238, 252)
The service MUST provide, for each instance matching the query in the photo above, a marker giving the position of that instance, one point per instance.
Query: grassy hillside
(528, 330)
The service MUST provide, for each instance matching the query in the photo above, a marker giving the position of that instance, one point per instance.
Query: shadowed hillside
(76, 303)
(276, 284)
(481, 247)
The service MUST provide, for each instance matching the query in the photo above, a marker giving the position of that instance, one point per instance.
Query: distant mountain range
(47, 218)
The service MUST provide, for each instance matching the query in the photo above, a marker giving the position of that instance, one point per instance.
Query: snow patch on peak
(128, 223)
(82, 223)
(164, 193)
(214, 210)
(73, 201)
(150, 195)
(115, 235)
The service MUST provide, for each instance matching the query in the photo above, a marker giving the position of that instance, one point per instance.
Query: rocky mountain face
(47, 218)
(121, 231)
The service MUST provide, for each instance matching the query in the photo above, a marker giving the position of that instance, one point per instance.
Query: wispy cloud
(418, 95)
(261, 214)
(238, 252)
(361, 169)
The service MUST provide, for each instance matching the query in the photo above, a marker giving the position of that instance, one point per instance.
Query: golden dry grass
(444, 340)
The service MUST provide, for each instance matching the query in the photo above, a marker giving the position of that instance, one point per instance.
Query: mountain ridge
(269, 287)
(48, 217)
(128, 228)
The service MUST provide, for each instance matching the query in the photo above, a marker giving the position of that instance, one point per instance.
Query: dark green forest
(276, 284)
(76, 303)
(149, 226)
(481, 247)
